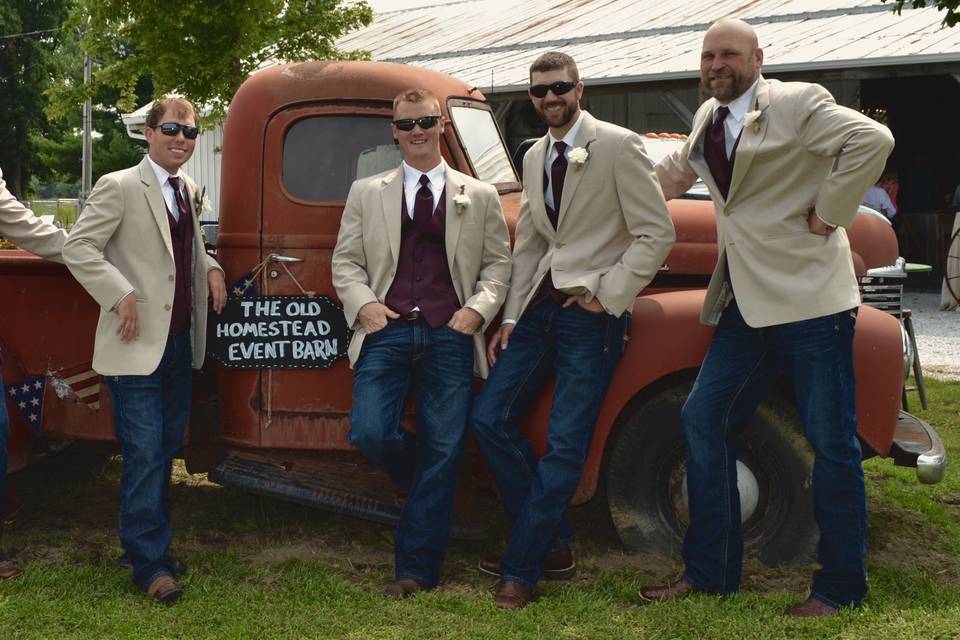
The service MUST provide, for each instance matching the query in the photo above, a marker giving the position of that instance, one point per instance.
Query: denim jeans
(439, 365)
(150, 416)
(4, 437)
(740, 366)
(582, 349)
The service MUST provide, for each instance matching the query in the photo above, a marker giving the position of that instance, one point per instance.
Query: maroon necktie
(423, 203)
(715, 152)
(182, 207)
(558, 171)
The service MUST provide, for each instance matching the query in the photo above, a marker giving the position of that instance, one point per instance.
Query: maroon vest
(423, 275)
(181, 234)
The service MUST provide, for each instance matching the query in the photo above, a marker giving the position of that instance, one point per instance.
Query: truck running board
(342, 486)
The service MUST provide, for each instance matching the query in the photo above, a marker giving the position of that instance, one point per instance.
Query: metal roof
(491, 43)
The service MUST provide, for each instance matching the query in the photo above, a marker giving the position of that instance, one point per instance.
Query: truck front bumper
(916, 444)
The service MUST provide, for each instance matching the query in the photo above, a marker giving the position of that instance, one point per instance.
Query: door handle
(275, 257)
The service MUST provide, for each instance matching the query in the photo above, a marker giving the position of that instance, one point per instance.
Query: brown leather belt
(412, 316)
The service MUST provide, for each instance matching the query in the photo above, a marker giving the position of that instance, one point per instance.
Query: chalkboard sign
(280, 332)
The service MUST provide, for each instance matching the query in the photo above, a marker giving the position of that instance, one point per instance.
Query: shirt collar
(743, 104)
(411, 176)
(161, 173)
(570, 135)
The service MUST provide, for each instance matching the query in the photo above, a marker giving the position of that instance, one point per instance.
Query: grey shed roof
(491, 43)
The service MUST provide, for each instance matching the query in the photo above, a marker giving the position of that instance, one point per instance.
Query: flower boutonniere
(461, 201)
(201, 203)
(578, 156)
(754, 118)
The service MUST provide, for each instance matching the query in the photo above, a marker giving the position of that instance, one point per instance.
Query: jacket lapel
(453, 221)
(155, 201)
(533, 182)
(750, 138)
(696, 157)
(586, 135)
(391, 192)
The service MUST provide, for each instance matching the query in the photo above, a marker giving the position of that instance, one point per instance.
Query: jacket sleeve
(20, 226)
(494, 279)
(349, 266)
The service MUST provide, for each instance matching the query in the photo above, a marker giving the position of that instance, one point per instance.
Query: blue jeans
(582, 349)
(4, 437)
(439, 365)
(150, 416)
(739, 368)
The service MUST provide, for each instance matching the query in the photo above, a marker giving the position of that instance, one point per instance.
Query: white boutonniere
(461, 201)
(201, 203)
(753, 119)
(578, 156)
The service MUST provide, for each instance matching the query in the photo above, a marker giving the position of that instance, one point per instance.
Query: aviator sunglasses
(173, 128)
(425, 122)
(559, 88)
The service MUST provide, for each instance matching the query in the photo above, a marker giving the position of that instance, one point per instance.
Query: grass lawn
(264, 569)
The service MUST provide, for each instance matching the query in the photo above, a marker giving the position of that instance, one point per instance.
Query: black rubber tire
(646, 467)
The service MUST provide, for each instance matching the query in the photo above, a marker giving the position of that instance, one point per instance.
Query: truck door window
(484, 146)
(323, 155)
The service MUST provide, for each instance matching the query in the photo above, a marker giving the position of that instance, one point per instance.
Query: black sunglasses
(173, 128)
(425, 122)
(559, 88)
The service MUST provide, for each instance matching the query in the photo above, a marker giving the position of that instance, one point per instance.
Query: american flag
(27, 396)
(245, 287)
(81, 381)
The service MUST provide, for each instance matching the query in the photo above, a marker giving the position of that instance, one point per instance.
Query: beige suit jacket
(613, 230)
(121, 243)
(20, 226)
(368, 248)
(805, 151)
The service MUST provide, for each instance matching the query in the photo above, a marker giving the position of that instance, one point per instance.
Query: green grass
(261, 568)
(65, 211)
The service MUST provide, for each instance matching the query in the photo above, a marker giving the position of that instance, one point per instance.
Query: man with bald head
(786, 168)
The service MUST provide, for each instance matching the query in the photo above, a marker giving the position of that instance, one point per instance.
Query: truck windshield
(323, 155)
(483, 144)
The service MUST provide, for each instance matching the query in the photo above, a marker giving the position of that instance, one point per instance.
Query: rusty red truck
(273, 420)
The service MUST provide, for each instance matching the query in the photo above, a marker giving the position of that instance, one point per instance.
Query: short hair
(181, 107)
(416, 96)
(553, 60)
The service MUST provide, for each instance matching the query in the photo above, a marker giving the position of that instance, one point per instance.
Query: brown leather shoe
(557, 565)
(512, 595)
(9, 570)
(679, 589)
(811, 608)
(164, 589)
(403, 588)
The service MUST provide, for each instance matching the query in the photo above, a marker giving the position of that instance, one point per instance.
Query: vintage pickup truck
(295, 138)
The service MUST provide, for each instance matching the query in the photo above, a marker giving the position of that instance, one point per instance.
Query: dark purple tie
(558, 171)
(715, 152)
(182, 207)
(423, 202)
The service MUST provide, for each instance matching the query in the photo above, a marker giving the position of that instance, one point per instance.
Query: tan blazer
(368, 248)
(613, 230)
(121, 243)
(804, 151)
(20, 226)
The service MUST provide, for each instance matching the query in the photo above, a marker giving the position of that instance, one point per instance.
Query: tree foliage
(952, 8)
(202, 50)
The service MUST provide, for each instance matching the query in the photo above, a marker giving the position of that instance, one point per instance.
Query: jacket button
(170, 278)
(560, 245)
(166, 307)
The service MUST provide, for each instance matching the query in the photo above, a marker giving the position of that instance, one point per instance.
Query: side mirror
(210, 231)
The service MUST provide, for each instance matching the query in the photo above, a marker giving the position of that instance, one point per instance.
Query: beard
(556, 118)
(725, 85)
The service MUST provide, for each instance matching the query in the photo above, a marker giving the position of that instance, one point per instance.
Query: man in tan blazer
(786, 167)
(20, 226)
(421, 264)
(593, 230)
(137, 250)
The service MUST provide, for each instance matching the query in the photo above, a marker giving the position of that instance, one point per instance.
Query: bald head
(731, 59)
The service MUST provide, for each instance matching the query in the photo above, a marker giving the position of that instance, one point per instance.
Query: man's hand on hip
(126, 310)
(218, 289)
(466, 320)
(817, 225)
(499, 342)
(374, 316)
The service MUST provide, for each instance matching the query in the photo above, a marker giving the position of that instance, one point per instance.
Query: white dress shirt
(552, 155)
(167, 189)
(411, 184)
(733, 125)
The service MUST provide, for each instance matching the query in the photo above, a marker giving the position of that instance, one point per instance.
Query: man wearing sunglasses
(421, 264)
(593, 230)
(136, 249)
(20, 226)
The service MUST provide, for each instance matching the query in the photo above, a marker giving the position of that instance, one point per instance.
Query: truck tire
(646, 481)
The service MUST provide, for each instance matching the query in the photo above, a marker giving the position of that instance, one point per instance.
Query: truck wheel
(646, 481)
